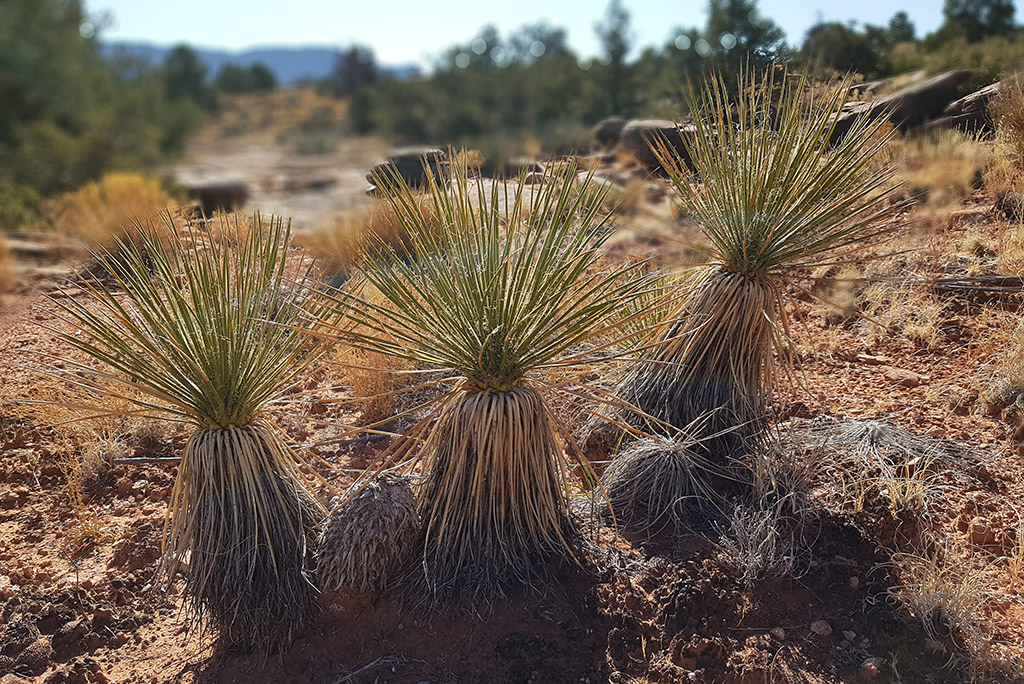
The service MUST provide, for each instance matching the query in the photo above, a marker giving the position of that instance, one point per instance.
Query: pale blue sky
(402, 31)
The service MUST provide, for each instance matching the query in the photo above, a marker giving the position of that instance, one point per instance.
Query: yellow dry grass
(338, 245)
(940, 171)
(98, 213)
(289, 109)
(375, 379)
(87, 529)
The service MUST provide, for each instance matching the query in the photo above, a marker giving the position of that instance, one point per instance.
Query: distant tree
(185, 77)
(263, 78)
(901, 29)
(353, 68)
(66, 114)
(614, 34)
(736, 28)
(975, 20)
(839, 47)
(537, 41)
(235, 78)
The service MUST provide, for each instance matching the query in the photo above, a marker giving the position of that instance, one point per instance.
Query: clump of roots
(654, 484)
(244, 520)
(368, 538)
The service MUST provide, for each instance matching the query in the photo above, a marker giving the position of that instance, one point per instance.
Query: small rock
(848, 635)
(903, 377)
(979, 532)
(871, 667)
(139, 487)
(821, 628)
(969, 216)
(778, 633)
(855, 583)
(101, 617)
(34, 659)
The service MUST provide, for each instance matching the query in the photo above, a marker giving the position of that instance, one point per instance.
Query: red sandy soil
(668, 609)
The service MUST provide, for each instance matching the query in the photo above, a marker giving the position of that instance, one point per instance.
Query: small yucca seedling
(772, 196)
(503, 299)
(184, 333)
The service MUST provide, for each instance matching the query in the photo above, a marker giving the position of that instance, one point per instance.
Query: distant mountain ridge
(290, 65)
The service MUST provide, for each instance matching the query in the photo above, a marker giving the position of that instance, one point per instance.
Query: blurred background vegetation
(71, 112)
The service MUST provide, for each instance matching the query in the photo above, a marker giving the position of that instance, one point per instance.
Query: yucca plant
(195, 330)
(503, 298)
(772, 197)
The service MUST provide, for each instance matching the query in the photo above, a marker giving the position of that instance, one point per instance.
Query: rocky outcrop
(224, 195)
(607, 132)
(639, 135)
(920, 102)
(908, 107)
(412, 165)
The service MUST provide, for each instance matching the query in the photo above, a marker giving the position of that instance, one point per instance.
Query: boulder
(517, 166)
(901, 81)
(638, 136)
(608, 131)
(908, 107)
(412, 164)
(971, 111)
(850, 114)
(227, 195)
(919, 102)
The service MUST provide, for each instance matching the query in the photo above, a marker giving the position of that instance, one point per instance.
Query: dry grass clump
(945, 595)
(377, 381)
(367, 538)
(654, 484)
(873, 458)
(941, 170)
(375, 231)
(903, 307)
(1007, 113)
(754, 545)
(1006, 394)
(100, 213)
(1010, 250)
(88, 529)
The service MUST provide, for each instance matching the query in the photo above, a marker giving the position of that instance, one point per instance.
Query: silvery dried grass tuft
(366, 539)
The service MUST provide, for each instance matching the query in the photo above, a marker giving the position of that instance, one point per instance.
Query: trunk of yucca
(240, 517)
(493, 505)
(712, 366)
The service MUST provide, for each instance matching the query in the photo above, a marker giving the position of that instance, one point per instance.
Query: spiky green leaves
(509, 283)
(191, 328)
(201, 328)
(504, 299)
(772, 192)
(769, 185)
